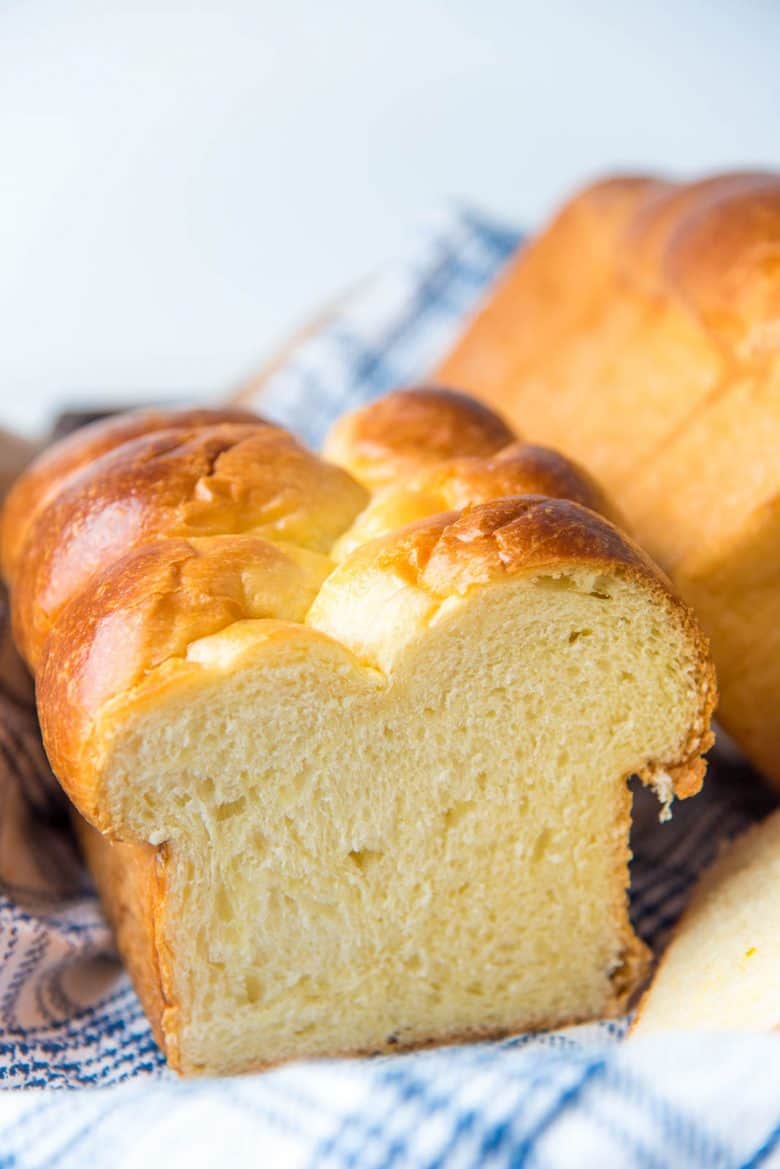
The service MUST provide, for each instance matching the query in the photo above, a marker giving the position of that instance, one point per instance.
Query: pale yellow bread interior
(722, 968)
(405, 820)
(353, 734)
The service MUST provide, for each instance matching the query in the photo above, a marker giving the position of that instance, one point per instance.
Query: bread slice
(722, 968)
(355, 806)
(640, 335)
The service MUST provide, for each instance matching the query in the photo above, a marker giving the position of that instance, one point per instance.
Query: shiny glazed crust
(202, 481)
(65, 459)
(405, 431)
(187, 531)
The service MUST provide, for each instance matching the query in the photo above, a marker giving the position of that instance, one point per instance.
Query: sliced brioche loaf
(354, 783)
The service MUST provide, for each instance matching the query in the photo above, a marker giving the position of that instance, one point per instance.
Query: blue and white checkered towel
(580, 1097)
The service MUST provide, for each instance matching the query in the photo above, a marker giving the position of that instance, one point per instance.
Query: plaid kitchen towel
(580, 1097)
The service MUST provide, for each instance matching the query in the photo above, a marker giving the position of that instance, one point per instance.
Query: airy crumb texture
(362, 858)
(372, 800)
(722, 968)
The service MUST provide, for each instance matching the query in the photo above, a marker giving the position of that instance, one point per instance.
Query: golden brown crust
(408, 429)
(48, 472)
(714, 244)
(655, 361)
(524, 469)
(488, 542)
(518, 469)
(213, 480)
(130, 878)
(712, 247)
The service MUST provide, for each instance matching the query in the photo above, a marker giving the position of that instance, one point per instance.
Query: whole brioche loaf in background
(640, 334)
(351, 735)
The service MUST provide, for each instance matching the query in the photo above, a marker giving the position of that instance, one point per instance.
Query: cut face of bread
(406, 819)
(722, 968)
(360, 783)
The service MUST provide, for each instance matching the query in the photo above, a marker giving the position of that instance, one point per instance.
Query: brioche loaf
(350, 736)
(640, 334)
(722, 968)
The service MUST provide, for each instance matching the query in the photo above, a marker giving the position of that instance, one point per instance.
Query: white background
(181, 183)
